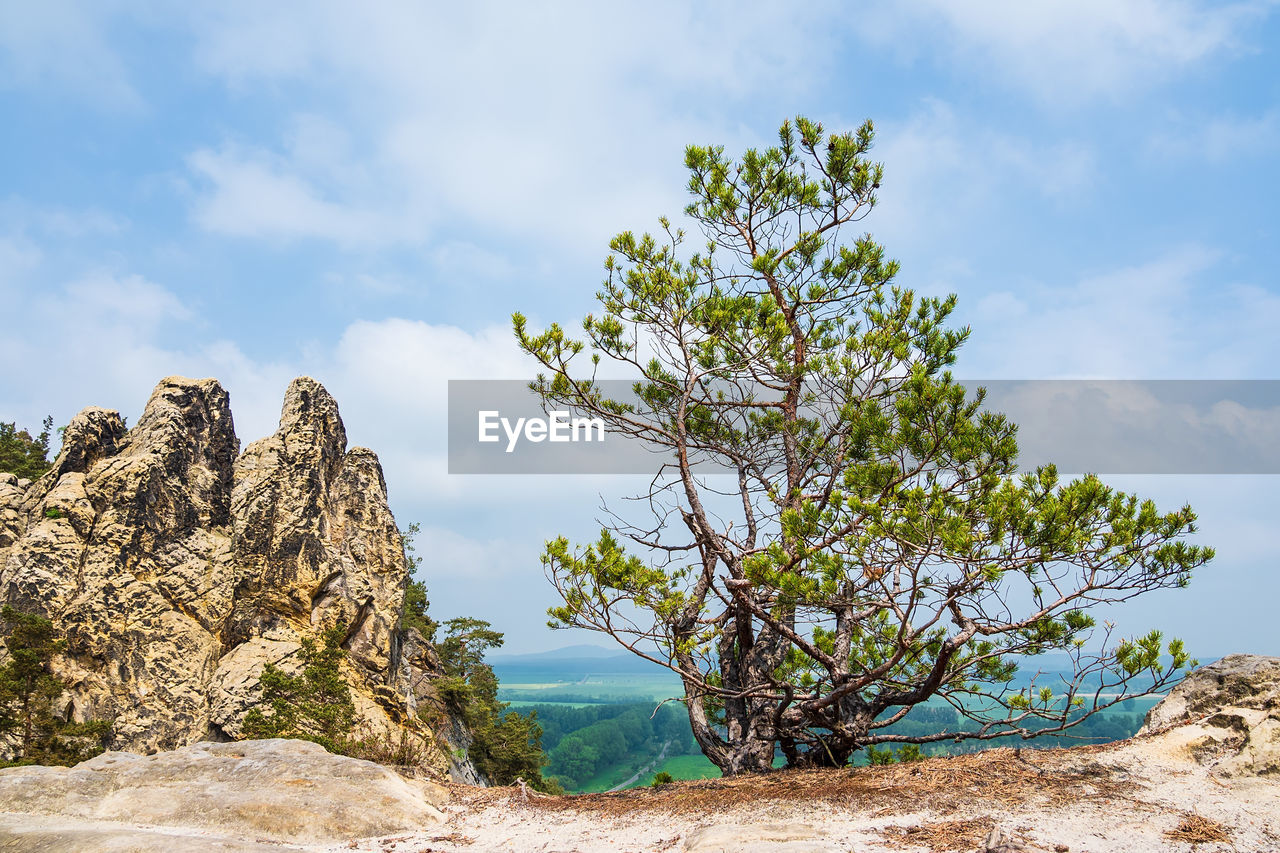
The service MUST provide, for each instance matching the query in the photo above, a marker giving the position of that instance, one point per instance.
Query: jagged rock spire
(178, 567)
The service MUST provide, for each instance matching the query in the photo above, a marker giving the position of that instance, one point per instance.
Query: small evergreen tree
(505, 745)
(28, 690)
(414, 612)
(21, 454)
(315, 705)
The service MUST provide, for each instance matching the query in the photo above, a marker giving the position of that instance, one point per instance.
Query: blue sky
(365, 192)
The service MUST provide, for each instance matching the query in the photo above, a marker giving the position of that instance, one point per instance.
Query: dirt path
(643, 770)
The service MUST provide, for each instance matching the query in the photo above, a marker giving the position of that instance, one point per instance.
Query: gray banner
(1099, 426)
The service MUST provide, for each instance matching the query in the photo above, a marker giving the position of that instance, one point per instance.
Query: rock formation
(1226, 715)
(179, 567)
(257, 795)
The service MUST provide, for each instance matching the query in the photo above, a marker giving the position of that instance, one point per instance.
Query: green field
(526, 703)
(679, 766)
(593, 687)
(685, 767)
(607, 779)
(601, 722)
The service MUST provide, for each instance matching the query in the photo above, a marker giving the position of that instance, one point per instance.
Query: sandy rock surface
(756, 838)
(1228, 714)
(1131, 797)
(218, 795)
(1141, 796)
(1189, 782)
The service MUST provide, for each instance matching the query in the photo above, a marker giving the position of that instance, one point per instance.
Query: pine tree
(873, 545)
(315, 705)
(505, 745)
(23, 455)
(28, 690)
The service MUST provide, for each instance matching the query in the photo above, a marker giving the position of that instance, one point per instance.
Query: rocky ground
(1142, 795)
(1204, 775)
(252, 795)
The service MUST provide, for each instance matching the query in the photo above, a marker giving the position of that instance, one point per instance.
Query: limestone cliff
(178, 566)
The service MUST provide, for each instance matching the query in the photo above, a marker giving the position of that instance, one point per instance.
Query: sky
(364, 193)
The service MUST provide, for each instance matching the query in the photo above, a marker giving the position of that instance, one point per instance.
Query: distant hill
(578, 652)
(575, 663)
(571, 663)
(548, 666)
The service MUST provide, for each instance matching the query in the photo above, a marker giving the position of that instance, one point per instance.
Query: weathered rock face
(178, 567)
(216, 796)
(313, 537)
(1227, 715)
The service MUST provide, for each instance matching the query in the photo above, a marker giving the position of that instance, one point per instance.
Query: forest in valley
(604, 722)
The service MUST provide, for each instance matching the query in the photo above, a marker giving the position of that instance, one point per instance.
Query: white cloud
(1068, 52)
(1171, 317)
(18, 215)
(131, 301)
(62, 44)
(253, 195)
(99, 340)
(391, 378)
(944, 172)
(1221, 139)
(457, 119)
(17, 254)
(412, 51)
(87, 342)
(386, 354)
(543, 123)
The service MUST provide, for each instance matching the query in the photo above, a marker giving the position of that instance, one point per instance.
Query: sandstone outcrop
(210, 796)
(178, 567)
(1226, 715)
